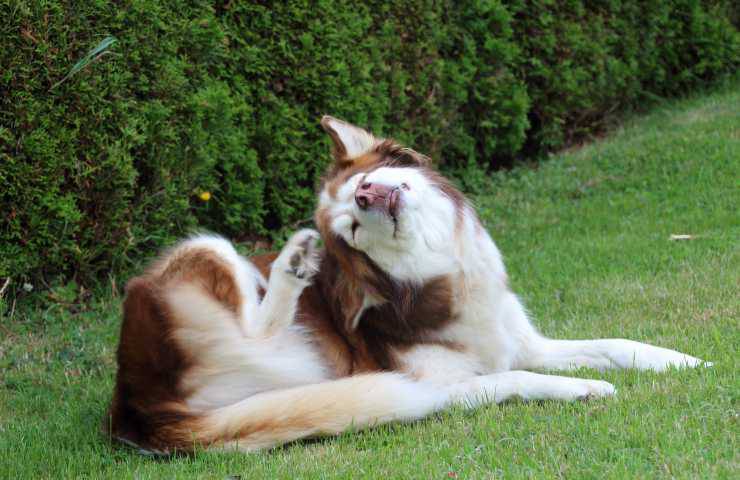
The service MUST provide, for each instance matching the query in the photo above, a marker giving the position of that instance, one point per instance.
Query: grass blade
(94, 54)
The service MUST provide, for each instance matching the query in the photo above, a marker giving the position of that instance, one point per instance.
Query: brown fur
(148, 399)
(386, 153)
(149, 403)
(407, 316)
(148, 406)
(409, 313)
(209, 270)
(328, 306)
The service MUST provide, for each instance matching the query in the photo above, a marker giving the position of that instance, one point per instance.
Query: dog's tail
(272, 418)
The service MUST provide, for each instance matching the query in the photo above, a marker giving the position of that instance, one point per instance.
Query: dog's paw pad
(597, 389)
(303, 260)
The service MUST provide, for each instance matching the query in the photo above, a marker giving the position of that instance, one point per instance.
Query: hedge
(205, 114)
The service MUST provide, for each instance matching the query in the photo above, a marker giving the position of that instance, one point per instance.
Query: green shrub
(101, 168)
(584, 60)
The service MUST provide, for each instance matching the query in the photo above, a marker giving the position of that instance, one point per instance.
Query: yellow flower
(205, 196)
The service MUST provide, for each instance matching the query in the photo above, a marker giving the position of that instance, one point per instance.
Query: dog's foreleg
(455, 373)
(290, 273)
(545, 353)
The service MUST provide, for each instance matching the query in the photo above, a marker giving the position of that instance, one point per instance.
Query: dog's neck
(397, 314)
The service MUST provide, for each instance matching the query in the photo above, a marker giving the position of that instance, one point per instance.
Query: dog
(404, 311)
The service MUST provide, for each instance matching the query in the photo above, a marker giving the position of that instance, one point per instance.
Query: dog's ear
(350, 141)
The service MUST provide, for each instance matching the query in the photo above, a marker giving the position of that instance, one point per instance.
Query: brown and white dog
(404, 312)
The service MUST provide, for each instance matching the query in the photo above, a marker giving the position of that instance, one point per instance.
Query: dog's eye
(405, 186)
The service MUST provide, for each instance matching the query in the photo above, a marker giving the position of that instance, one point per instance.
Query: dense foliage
(196, 100)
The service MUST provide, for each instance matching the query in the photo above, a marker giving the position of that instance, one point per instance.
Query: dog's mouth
(393, 203)
(377, 199)
(389, 205)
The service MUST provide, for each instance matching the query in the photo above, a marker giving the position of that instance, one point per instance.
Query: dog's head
(386, 202)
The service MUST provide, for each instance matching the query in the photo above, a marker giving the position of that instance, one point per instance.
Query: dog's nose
(371, 194)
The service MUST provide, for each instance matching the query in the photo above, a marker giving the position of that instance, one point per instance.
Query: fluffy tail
(276, 417)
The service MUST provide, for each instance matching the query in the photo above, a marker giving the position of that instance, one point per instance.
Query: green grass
(586, 239)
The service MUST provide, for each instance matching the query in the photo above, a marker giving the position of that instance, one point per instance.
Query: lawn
(587, 240)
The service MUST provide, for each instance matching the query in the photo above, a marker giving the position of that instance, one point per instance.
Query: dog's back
(149, 403)
(191, 373)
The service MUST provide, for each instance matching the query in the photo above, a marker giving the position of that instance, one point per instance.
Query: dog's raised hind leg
(290, 273)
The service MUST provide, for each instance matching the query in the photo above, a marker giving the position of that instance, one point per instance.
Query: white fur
(278, 309)
(440, 365)
(603, 354)
(420, 248)
(246, 275)
(262, 350)
(493, 326)
(269, 388)
(231, 365)
(356, 141)
(367, 400)
(261, 382)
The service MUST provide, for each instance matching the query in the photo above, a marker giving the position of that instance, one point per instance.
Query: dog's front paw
(302, 254)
